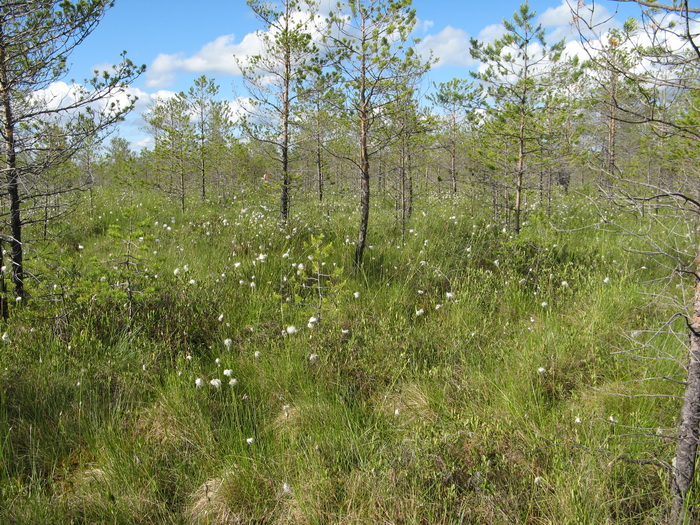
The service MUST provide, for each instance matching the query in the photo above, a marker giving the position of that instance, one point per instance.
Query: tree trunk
(520, 169)
(364, 213)
(319, 163)
(12, 181)
(284, 196)
(182, 189)
(453, 167)
(611, 161)
(549, 192)
(409, 213)
(518, 199)
(4, 301)
(494, 199)
(202, 170)
(403, 204)
(364, 191)
(364, 162)
(686, 451)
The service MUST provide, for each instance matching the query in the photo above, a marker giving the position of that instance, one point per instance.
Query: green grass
(402, 404)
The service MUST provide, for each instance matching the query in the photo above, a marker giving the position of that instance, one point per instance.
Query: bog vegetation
(198, 333)
(215, 367)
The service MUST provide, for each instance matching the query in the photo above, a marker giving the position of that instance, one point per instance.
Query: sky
(180, 40)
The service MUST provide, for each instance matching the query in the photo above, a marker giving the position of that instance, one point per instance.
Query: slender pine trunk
(364, 192)
(202, 170)
(319, 163)
(284, 195)
(453, 155)
(409, 212)
(12, 179)
(520, 170)
(364, 163)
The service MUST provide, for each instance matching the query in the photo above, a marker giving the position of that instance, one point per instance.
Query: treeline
(341, 102)
(532, 123)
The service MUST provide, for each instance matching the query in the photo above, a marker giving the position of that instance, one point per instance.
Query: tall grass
(463, 375)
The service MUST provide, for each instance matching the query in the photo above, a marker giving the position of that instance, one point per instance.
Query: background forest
(364, 299)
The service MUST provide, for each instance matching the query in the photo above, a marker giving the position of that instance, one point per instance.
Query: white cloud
(240, 107)
(144, 143)
(73, 98)
(162, 72)
(162, 94)
(66, 97)
(588, 20)
(561, 15)
(59, 95)
(219, 56)
(425, 25)
(649, 35)
(143, 98)
(560, 20)
(214, 57)
(491, 33)
(576, 48)
(450, 46)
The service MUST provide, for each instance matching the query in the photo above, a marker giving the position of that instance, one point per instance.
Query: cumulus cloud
(68, 99)
(143, 143)
(562, 20)
(425, 25)
(654, 34)
(59, 95)
(561, 15)
(491, 33)
(162, 94)
(450, 47)
(214, 57)
(240, 107)
(221, 55)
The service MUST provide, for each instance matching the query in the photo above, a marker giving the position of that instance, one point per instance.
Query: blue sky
(180, 40)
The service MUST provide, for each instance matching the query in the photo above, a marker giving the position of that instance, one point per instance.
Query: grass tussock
(244, 372)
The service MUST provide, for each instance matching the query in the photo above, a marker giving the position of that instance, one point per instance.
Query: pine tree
(457, 99)
(175, 137)
(367, 41)
(212, 122)
(516, 79)
(272, 75)
(37, 38)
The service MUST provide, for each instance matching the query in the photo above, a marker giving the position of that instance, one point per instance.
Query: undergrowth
(220, 367)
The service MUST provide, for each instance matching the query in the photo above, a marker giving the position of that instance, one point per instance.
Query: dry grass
(409, 405)
(210, 505)
(96, 492)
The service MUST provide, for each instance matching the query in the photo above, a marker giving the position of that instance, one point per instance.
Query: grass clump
(218, 367)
